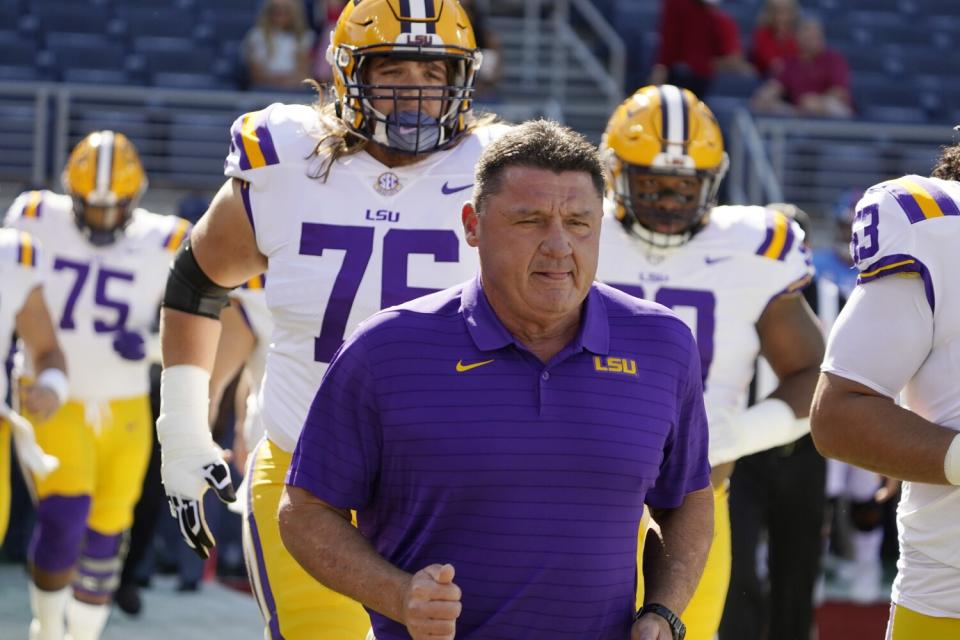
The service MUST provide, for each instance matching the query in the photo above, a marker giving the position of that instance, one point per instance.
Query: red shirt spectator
(819, 74)
(816, 82)
(695, 33)
(774, 39)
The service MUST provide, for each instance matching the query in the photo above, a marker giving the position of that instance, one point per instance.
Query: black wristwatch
(677, 627)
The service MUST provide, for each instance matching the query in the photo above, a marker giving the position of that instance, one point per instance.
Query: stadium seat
(176, 80)
(156, 21)
(175, 55)
(71, 17)
(16, 130)
(102, 54)
(893, 113)
(117, 77)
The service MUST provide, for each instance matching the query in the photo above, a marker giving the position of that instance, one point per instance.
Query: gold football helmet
(664, 153)
(407, 29)
(105, 178)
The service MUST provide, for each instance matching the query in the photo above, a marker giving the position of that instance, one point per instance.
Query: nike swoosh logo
(466, 367)
(711, 260)
(447, 189)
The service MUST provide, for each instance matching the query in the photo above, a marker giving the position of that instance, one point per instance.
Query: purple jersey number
(357, 245)
(101, 296)
(703, 302)
(865, 244)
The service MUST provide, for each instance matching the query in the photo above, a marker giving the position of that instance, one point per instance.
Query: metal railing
(182, 136)
(752, 179)
(816, 161)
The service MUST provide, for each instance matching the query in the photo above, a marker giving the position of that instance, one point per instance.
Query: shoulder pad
(884, 233)
(29, 205)
(18, 247)
(277, 134)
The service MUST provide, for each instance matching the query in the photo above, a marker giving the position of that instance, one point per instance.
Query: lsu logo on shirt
(615, 365)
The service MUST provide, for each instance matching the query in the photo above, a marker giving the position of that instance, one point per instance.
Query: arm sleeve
(864, 348)
(667, 51)
(839, 72)
(685, 467)
(337, 458)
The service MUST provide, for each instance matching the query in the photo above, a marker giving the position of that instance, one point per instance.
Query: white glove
(191, 462)
(28, 451)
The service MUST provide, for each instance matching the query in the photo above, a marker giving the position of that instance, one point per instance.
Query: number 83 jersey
(719, 283)
(342, 248)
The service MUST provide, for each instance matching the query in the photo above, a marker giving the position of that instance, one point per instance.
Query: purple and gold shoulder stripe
(253, 141)
(256, 283)
(921, 198)
(779, 237)
(176, 237)
(903, 265)
(26, 250)
(34, 206)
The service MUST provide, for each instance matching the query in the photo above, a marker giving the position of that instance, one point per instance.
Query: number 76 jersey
(341, 249)
(719, 283)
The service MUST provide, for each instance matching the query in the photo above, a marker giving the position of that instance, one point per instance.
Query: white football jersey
(19, 275)
(92, 292)
(253, 305)
(719, 283)
(340, 250)
(911, 225)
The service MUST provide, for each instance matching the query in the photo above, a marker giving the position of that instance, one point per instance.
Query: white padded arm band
(767, 424)
(56, 381)
(184, 400)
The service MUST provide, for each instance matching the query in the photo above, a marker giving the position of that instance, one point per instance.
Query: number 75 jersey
(341, 249)
(719, 283)
(93, 292)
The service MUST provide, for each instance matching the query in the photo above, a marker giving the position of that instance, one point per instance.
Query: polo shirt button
(545, 375)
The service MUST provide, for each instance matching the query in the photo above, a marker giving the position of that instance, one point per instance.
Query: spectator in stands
(277, 49)
(491, 71)
(815, 82)
(697, 40)
(775, 36)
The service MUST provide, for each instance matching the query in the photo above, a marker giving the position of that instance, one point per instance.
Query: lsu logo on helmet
(405, 29)
(105, 178)
(663, 131)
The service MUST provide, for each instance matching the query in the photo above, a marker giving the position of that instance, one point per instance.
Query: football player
(22, 309)
(106, 262)
(353, 206)
(732, 273)
(898, 334)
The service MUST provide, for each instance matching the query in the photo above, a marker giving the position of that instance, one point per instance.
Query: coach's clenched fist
(431, 604)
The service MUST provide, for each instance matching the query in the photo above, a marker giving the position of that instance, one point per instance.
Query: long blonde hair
(298, 27)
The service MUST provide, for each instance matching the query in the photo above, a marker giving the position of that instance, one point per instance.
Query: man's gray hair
(538, 144)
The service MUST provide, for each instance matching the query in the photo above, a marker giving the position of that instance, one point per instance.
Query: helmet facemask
(409, 128)
(101, 223)
(639, 193)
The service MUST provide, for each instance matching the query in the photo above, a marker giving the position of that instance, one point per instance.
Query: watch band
(677, 627)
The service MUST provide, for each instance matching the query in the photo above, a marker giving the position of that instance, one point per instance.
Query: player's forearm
(797, 388)
(186, 338)
(872, 432)
(336, 554)
(673, 564)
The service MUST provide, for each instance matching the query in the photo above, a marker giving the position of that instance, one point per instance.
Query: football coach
(498, 440)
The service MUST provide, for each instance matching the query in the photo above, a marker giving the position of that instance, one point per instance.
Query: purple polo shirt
(456, 444)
